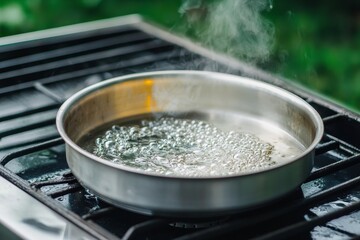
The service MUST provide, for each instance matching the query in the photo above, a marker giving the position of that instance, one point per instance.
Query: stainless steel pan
(217, 97)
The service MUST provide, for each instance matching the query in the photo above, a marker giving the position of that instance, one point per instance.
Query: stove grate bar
(72, 50)
(27, 143)
(271, 214)
(41, 184)
(289, 231)
(66, 190)
(72, 39)
(319, 197)
(334, 167)
(68, 178)
(98, 213)
(351, 151)
(29, 112)
(65, 65)
(42, 146)
(27, 127)
(332, 118)
(47, 92)
(325, 147)
(145, 227)
(344, 145)
(134, 62)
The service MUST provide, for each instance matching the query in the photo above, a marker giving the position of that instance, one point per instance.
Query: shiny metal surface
(207, 93)
(23, 217)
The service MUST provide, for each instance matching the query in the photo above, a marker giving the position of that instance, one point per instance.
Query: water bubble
(183, 147)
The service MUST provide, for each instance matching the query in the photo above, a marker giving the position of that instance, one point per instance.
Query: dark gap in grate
(68, 174)
(346, 129)
(332, 118)
(323, 111)
(145, 227)
(346, 146)
(351, 151)
(103, 231)
(333, 167)
(325, 159)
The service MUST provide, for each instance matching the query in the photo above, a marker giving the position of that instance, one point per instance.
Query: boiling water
(187, 147)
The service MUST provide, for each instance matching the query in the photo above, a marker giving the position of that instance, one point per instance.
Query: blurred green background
(317, 43)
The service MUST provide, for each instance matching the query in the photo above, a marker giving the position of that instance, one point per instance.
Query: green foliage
(318, 45)
(317, 42)
(41, 14)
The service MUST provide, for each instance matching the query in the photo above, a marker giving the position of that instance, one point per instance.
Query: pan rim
(67, 105)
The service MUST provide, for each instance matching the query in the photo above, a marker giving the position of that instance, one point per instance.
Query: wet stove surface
(37, 76)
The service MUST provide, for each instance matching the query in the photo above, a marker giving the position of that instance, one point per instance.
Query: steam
(234, 27)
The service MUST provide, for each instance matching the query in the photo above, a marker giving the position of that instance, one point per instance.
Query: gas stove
(41, 199)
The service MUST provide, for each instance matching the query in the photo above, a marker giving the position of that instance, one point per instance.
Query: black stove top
(38, 73)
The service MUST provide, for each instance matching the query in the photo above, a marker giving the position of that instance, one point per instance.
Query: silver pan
(214, 96)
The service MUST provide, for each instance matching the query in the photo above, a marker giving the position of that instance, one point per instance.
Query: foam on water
(184, 147)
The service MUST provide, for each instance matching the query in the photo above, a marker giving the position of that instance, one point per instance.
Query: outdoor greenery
(317, 43)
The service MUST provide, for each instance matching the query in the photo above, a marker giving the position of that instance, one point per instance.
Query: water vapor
(234, 27)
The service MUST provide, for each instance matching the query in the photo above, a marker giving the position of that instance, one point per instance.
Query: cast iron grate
(37, 76)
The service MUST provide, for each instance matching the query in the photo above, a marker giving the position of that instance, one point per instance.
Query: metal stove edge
(26, 218)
